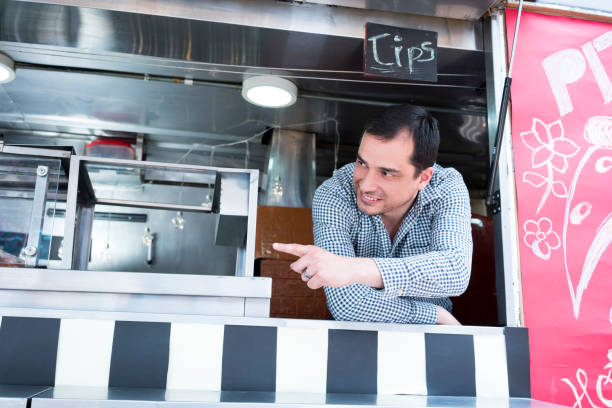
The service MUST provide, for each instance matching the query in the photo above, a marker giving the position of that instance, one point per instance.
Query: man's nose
(368, 182)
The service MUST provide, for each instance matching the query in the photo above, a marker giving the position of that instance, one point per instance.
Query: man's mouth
(369, 199)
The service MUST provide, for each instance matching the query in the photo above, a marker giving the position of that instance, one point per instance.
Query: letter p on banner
(562, 68)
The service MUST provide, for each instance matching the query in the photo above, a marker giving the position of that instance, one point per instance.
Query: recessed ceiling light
(7, 69)
(269, 91)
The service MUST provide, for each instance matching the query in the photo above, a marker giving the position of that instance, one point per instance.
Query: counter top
(134, 283)
(68, 397)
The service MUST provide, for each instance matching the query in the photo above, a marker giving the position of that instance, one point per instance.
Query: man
(392, 231)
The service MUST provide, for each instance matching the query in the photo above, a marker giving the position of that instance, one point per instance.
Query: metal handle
(498, 138)
(147, 240)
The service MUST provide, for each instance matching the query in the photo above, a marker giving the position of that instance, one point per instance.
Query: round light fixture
(269, 91)
(7, 69)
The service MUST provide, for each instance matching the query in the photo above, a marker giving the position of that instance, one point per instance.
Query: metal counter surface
(68, 397)
(13, 396)
(132, 282)
(128, 292)
(247, 321)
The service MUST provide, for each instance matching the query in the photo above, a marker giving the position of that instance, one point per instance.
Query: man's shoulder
(339, 187)
(446, 177)
(447, 183)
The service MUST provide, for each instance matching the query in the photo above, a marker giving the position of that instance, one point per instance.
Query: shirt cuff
(425, 313)
(394, 277)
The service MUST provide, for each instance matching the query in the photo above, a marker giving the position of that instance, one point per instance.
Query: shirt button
(400, 292)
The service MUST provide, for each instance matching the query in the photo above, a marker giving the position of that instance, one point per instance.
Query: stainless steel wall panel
(234, 194)
(291, 175)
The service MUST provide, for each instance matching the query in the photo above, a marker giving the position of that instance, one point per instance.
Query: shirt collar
(431, 191)
(428, 194)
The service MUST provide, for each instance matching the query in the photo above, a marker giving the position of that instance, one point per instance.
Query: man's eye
(359, 162)
(386, 174)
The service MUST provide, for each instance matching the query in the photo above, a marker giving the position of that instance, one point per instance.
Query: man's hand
(444, 317)
(327, 269)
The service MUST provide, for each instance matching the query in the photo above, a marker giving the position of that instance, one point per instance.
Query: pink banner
(562, 143)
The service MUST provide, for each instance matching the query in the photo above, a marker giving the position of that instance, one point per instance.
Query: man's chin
(368, 209)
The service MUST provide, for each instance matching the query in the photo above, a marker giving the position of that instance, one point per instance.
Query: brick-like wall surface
(281, 224)
(290, 296)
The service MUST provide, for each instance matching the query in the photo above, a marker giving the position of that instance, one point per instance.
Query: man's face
(385, 181)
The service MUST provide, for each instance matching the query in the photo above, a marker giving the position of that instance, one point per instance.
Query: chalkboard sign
(400, 52)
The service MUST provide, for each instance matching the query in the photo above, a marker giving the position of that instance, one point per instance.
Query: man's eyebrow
(387, 169)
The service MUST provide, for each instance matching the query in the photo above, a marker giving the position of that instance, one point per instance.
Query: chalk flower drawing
(540, 237)
(598, 133)
(550, 150)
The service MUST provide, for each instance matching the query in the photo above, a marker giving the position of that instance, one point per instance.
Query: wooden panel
(291, 297)
(281, 224)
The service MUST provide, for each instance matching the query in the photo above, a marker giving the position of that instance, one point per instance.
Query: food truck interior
(162, 88)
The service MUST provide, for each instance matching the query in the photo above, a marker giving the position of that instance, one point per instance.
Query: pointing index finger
(293, 249)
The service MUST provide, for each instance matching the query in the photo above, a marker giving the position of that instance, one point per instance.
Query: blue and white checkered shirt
(429, 260)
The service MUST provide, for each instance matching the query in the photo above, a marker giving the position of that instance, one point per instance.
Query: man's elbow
(456, 281)
(460, 285)
(344, 308)
(464, 282)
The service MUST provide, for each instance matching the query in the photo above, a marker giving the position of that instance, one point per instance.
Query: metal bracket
(139, 146)
(38, 215)
(495, 203)
(490, 200)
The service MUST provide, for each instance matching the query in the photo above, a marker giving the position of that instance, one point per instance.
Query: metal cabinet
(127, 235)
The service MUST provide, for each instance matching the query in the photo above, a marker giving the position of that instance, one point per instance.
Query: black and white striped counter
(189, 353)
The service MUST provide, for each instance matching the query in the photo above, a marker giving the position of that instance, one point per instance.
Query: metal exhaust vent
(291, 176)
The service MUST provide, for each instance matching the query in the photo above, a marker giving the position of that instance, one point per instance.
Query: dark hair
(423, 129)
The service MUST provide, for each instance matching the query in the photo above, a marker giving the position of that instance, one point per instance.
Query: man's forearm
(365, 304)
(366, 272)
(436, 273)
(445, 317)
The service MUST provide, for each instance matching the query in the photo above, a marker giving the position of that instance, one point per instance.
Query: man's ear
(425, 177)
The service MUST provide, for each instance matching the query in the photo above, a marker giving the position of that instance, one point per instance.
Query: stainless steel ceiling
(458, 9)
(84, 72)
(455, 21)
